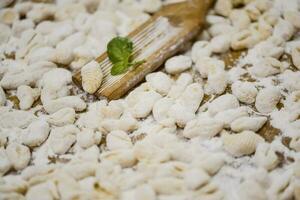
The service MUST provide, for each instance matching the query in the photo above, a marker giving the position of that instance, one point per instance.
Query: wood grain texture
(188, 16)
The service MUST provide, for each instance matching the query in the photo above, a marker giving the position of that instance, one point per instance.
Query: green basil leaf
(119, 49)
(119, 68)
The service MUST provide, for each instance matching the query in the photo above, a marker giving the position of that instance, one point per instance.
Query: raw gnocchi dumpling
(74, 102)
(204, 128)
(92, 77)
(88, 137)
(223, 102)
(37, 133)
(265, 156)
(160, 111)
(223, 7)
(248, 123)
(250, 189)
(62, 117)
(283, 29)
(191, 97)
(204, 64)
(141, 102)
(245, 91)
(27, 96)
(118, 140)
(241, 144)
(123, 157)
(19, 155)
(195, 178)
(200, 49)
(296, 57)
(181, 83)
(178, 64)
(217, 81)
(160, 82)
(228, 116)
(180, 114)
(267, 99)
(62, 138)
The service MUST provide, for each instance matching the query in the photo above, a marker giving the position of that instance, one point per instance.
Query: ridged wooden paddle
(159, 38)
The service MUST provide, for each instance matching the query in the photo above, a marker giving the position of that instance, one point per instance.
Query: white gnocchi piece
(250, 189)
(167, 185)
(2, 97)
(5, 3)
(265, 156)
(40, 12)
(210, 162)
(181, 83)
(22, 25)
(200, 49)
(245, 91)
(223, 7)
(228, 116)
(47, 190)
(244, 39)
(118, 140)
(283, 29)
(191, 97)
(220, 29)
(296, 57)
(160, 82)
(88, 137)
(4, 34)
(293, 17)
(290, 80)
(281, 186)
(178, 64)
(267, 67)
(56, 78)
(36, 133)
(180, 114)
(16, 118)
(195, 178)
(204, 128)
(222, 103)
(92, 77)
(248, 123)
(204, 64)
(241, 144)
(40, 54)
(267, 99)
(141, 103)
(126, 123)
(240, 19)
(62, 138)
(62, 117)
(151, 5)
(220, 43)
(74, 102)
(124, 157)
(27, 96)
(5, 164)
(217, 81)
(160, 111)
(19, 155)
(8, 16)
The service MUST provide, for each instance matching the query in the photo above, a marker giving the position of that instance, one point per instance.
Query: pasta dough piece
(223, 102)
(244, 91)
(37, 133)
(19, 155)
(27, 96)
(62, 117)
(223, 7)
(92, 77)
(267, 99)
(178, 64)
(241, 144)
(195, 178)
(118, 140)
(248, 123)
(204, 128)
(160, 82)
(266, 157)
(228, 116)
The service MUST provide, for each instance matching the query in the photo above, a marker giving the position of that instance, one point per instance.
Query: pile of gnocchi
(201, 128)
